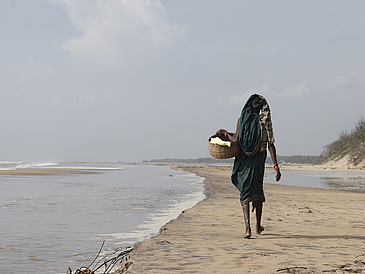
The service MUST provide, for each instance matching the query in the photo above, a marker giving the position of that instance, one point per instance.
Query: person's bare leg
(246, 216)
(259, 227)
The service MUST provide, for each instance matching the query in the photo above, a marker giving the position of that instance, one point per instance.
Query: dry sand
(307, 230)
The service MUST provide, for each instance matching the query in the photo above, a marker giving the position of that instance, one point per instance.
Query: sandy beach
(307, 230)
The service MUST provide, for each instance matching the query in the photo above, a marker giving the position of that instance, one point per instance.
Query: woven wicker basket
(223, 152)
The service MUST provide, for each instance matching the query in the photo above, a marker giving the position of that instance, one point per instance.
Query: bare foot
(248, 233)
(260, 229)
(247, 236)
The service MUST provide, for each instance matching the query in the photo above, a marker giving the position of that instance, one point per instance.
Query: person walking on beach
(254, 134)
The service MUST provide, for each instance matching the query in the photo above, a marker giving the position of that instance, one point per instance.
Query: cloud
(337, 83)
(294, 92)
(114, 29)
(31, 78)
(240, 99)
(36, 72)
(89, 100)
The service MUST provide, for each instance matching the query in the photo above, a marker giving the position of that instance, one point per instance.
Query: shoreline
(320, 168)
(307, 230)
(40, 171)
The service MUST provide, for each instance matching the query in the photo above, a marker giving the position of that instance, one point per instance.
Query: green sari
(249, 166)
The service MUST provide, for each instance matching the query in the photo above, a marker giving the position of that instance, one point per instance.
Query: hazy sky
(133, 80)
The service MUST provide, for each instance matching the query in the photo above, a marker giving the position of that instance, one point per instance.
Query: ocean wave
(10, 165)
(35, 164)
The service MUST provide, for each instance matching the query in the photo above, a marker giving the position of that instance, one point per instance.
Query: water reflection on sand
(356, 184)
(339, 180)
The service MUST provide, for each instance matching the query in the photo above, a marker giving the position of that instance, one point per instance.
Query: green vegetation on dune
(349, 143)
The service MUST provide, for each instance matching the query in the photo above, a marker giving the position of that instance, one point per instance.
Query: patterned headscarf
(265, 120)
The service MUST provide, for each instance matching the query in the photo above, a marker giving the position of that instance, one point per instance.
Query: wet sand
(35, 171)
(307, 230)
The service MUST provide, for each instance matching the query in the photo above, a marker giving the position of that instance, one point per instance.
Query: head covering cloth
(250, 131)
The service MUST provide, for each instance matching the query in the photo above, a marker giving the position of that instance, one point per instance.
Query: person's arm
(272, 150)
(232, 137)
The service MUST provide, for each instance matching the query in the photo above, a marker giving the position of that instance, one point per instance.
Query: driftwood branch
(114, 262)
(291, 268)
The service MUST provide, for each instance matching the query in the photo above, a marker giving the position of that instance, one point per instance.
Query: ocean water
(52, 222)
(338, 180)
